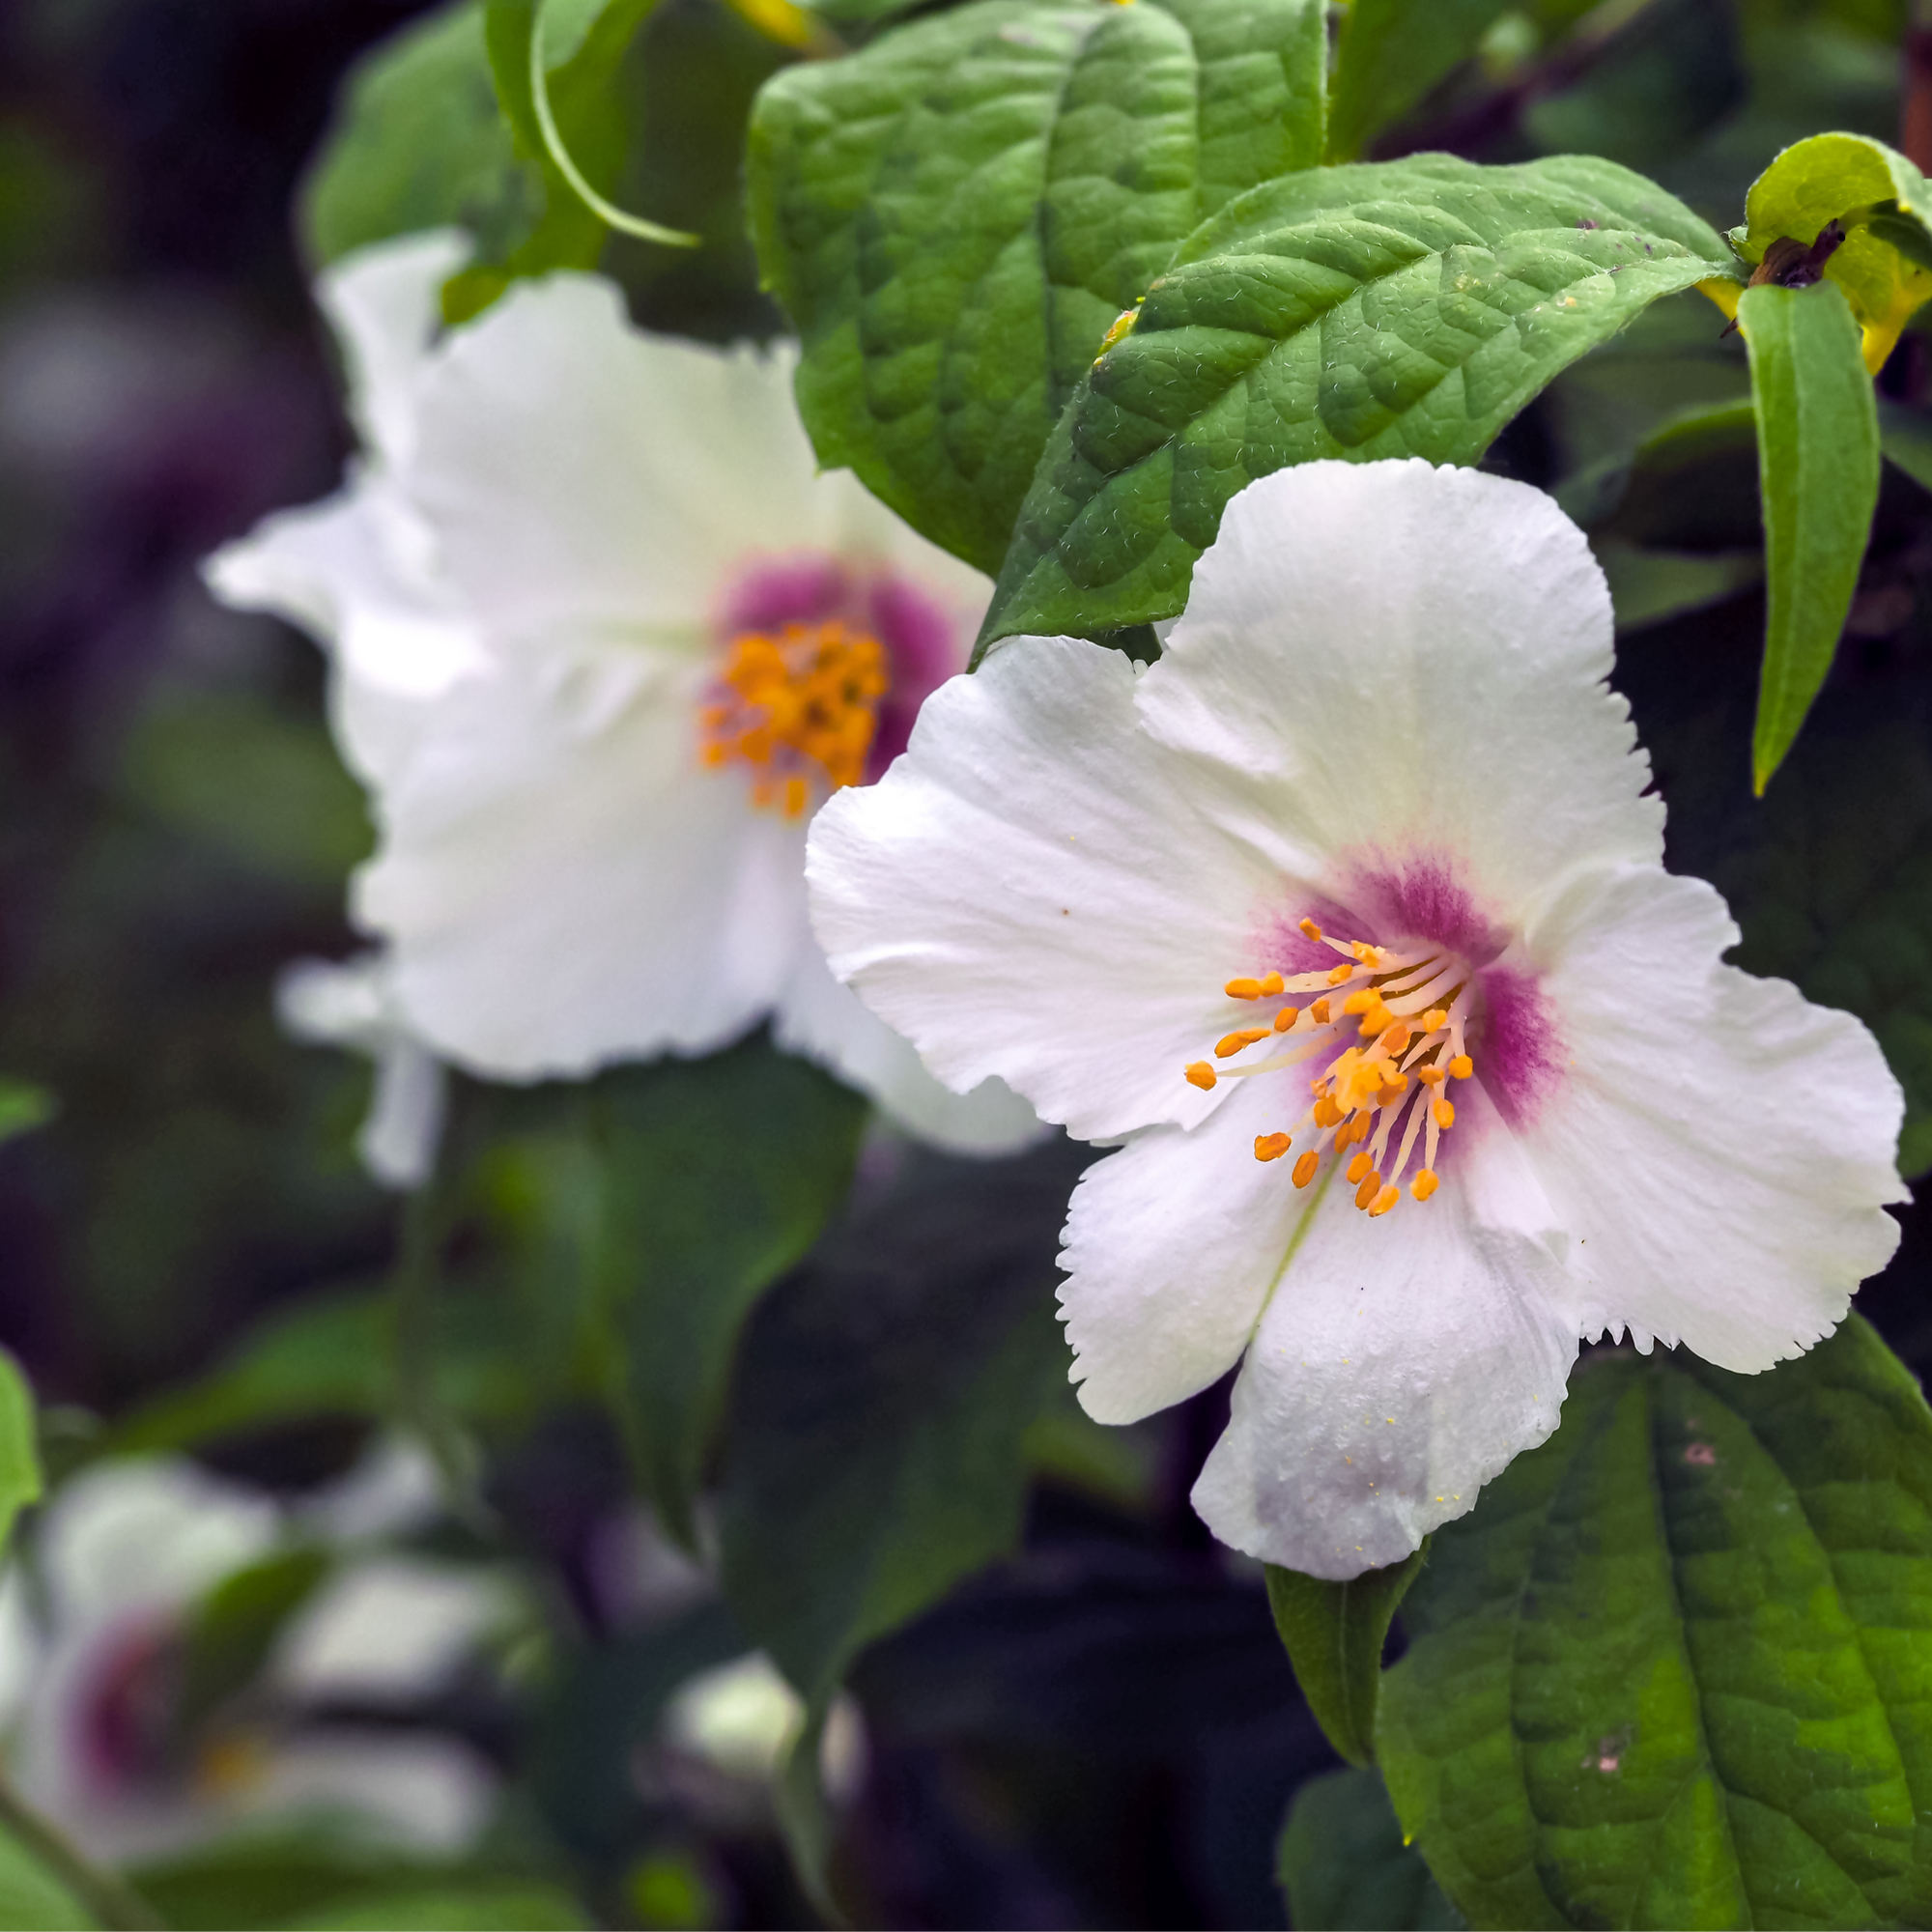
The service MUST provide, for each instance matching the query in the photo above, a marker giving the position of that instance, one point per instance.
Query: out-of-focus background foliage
(1097, 1728)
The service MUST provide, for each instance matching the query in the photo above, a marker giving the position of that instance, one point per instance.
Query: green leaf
(717, 1177)
(23, 1107)
(1390, 55)
(21, 1481)
(452, 1908)
(1671, 1669)
(582, 64)
(1344, 1866)
(1818, 467)
(1334, 1634)
(956, 215)
(1883, 203)
(1403, 308)
(234, 1629)
(32, 1898)
(875, 1451)
(417, 142)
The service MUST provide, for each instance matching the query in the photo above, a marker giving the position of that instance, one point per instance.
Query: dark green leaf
(956, 216)
(718, 1176)
(603, 1704)
(23, 1107)
(805, 1817)
(418, 142)
(1334, 1634)
(234, 1629)
(1343, 1866)
(875, 1451)
(1818, 467)
(1391, 53)
(1389, 309)
(1905, 437)
(1670, 1671)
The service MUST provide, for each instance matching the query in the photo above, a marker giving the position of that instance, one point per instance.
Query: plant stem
(106, 1895)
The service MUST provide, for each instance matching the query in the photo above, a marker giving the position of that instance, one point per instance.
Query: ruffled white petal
(563, 885)
(1172, 1245)
(384, 303)
(1720, 1149)
(1030, 893)
(353, 1005)
(1400, 1363)
(824, 1021)
(1387, 659)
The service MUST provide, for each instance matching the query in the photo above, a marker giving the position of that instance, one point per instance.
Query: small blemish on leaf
(1700, 1455)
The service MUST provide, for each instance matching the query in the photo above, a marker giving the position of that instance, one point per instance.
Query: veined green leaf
(1405, 308)
(956, 215)
(1671, 1669)
(1818, 466)
(1334, 1634)
(1390, 54)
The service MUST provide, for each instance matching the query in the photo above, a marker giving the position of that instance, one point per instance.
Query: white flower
(1378, 768)
(602, 640)
(92, 1635)
(353, 1004)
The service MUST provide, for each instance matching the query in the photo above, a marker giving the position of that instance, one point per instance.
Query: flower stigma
(1386, 1031)
(800, 705)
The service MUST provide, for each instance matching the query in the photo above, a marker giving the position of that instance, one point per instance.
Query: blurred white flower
(95, 1631)
(743, 1718)
(603, 641)
(351, 1004)
(1349, 917)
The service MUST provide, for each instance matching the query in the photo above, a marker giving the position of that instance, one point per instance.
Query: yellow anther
(1309, 930)
(795, 798)
(1361, 1163)
(1384, 1201)
(1304, 1168)
(1371, 1187)
(1368, 954)
(1361, 1000)
(1243, 989)
(1271, 984)
(1435, 1016)
(1377, 1020)
(1339, 974)
(1462, 1066)
(1444, 1112)
(1285, 1019)
(1424, 1184)
(1396, 1040)
(1270, 1147)
(1432, 1076)
(1319, 1012)
(1326, 1113)
(1200, 1075)
(1233, 1042)
(1397, 1087)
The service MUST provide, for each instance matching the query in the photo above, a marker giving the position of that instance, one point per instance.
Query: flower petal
(1400, 1363)
(1389, 658)
(1720, 1149)
(1172, 1245)
(384, 304)
(563, 886)
(1030, 893)
(578, 468)
(827, 1022)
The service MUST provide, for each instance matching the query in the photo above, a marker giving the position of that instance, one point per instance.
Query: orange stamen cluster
(1381, 1090)
(800, 707)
